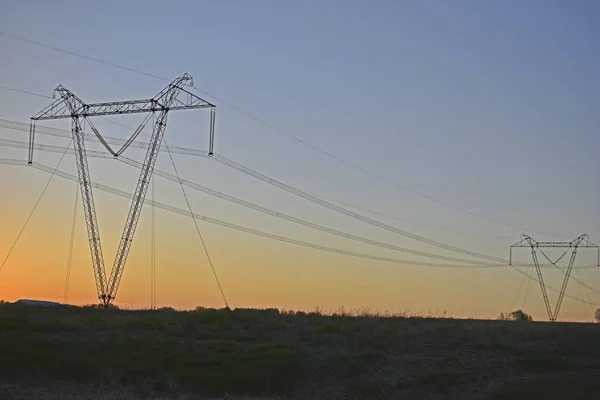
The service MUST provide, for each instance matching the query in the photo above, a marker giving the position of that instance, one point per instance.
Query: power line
(197, 228)
(424, 224)
(359, 217)
(24, 92)
(272, 236)
(527, 288)
(518, 291)
(53, 172)
(352, 214)
(153, 251)
(186, 213)
(195, 152)
(180, 150)
(56, 149)
(585, 289)
(302, 222)
(51, 148)
(422, 238)
(12, 161)
(553, 264)
(278, 130)
(60, 50)
(71, 242)
(62, 133)
(277, 214)
(292, 219)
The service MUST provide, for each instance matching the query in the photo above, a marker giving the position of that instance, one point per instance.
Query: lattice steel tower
(572, 246)
(173, 97)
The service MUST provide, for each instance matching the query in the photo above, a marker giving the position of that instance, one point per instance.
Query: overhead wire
(197, 227)
(12, 161)
(553, 264)
(351, 164)
(557, 260)
(153, 250)
(586, 307)
(518, 291)
(194, 220)
(280, 215)
(585, 290)
(275, 129)
(176, 210)
(71, 243)
(592, 289)
(265, 210)
(357, 216)
(292, 219)
(302, 222)
(24, 92)
(583, 287)
(208, 219)
(272, 236)
(397, 218)
(63, 133)
(527, 287)
(78, 55)
(53, 172)
(51, 148)
(191, 152)
(352, 214)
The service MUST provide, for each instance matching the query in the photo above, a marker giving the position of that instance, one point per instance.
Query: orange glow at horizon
(254, 272)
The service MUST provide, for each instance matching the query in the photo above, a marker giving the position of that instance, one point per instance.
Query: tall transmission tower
(173, 97)
(572, 246)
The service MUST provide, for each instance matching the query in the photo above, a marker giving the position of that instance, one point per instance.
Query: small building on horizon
(41, 303)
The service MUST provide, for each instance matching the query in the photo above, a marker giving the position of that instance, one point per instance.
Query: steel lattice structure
(172, 97)
(572, 246)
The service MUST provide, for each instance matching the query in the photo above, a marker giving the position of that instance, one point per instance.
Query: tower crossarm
(69, 105)
(572, 246)
(60, 110)
(581, 241)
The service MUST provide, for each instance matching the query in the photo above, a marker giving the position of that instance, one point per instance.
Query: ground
(86, 353)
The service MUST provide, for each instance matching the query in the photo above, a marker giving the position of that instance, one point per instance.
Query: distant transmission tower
(173, 97)
(572, 246)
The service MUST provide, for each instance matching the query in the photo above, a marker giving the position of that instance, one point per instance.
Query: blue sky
(488, 106)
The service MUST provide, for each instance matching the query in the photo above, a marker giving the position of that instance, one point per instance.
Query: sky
(464, 122)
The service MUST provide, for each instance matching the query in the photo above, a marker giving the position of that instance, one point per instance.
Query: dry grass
(86, 353)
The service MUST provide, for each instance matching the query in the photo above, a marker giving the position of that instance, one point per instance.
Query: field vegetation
(91, 353)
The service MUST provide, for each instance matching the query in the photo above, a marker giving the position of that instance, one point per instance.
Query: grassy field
(86, 353)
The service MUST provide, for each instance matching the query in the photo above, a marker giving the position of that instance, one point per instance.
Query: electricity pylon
(173, 97)
(572, 246)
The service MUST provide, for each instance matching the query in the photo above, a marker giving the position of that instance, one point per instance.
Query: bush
(520, 315)
(101, 307)
(597, 315)
(517, 315)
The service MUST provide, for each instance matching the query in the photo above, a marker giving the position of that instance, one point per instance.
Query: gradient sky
(490, 107)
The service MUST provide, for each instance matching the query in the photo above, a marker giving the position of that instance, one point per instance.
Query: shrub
(517, 315)
(520, 315)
